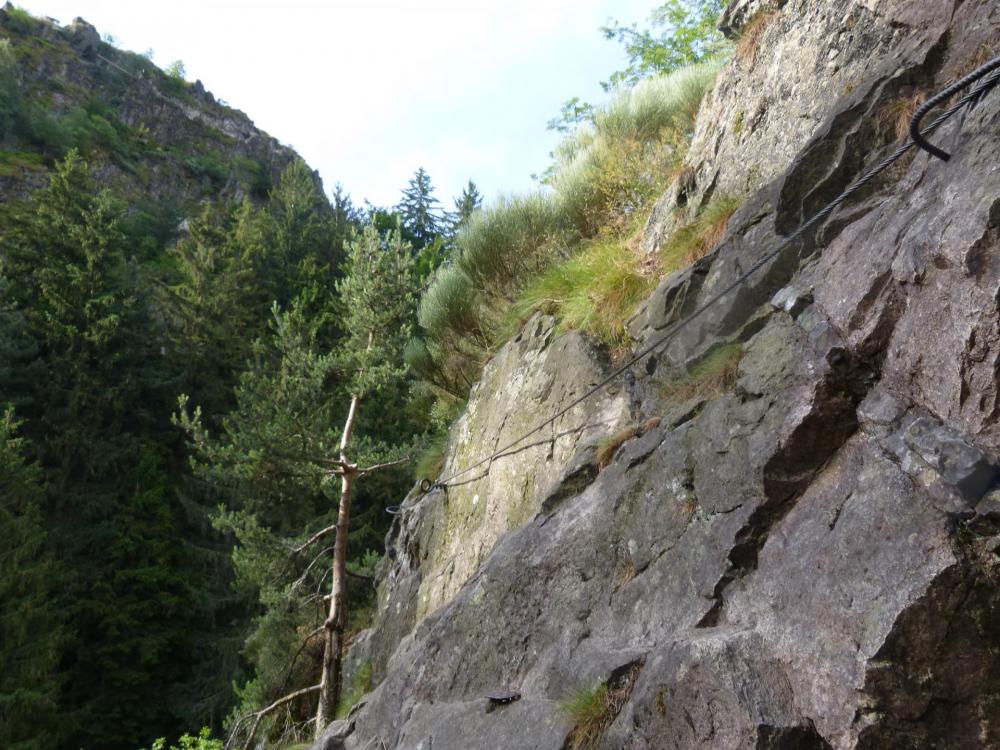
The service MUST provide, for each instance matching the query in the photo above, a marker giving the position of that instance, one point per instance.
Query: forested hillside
(659, 453)
(155, 245)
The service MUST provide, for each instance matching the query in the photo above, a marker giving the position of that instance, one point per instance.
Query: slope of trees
(119, 605)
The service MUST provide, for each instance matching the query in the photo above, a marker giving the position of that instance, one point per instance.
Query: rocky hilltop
(783, 530)
(156, 139)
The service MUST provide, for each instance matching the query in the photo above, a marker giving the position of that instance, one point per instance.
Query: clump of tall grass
(614, 167)
(590, 711)
(565, 252)
(700, 236)
(595, 291)
(594, 710)
(508, 243)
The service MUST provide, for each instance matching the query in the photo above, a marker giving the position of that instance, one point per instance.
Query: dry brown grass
(608, 447)
(624, 568)
(713, 376)
(748, 45)
(894, 118)
(700, 237)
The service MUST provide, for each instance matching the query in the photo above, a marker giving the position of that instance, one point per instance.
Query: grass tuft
(608, 447)
(713, 376)
(893, 121)
(608, 171)
(593, 710)
(748, 44)
(589, 711)
(509, 242)
(595, 291)
(700, 237)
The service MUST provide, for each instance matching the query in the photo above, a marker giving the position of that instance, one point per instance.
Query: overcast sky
(367, 92)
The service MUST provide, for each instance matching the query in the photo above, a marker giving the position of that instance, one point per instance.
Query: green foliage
(233, 265)
(90, 401)
(465, 205)
(30, 623)
(607, 172)
(20, 21)
(574, 112)
(210, 167)
(680, 33)
(566, 252)
(595, 291)
(271, 461)
(201, 741)
(430, 462)
(10, 93)
(419, 211)
(15, 162)
(589, 710)
(377, 294)
(176, 70)
(509, 242)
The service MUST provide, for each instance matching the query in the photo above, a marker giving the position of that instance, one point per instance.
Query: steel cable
(917, 139)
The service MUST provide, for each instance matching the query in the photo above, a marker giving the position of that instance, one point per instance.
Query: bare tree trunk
(329, 690)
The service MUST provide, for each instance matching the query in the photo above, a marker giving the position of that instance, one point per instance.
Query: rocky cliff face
(807, 559)
(150, 136)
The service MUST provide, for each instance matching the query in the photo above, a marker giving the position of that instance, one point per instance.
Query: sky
(367, 92)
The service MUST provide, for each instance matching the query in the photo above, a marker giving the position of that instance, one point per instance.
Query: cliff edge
(793, 542)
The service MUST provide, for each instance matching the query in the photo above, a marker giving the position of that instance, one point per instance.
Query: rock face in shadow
(807, 560)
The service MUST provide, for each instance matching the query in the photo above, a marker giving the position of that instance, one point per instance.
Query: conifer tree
(420, 211)
(281, 456)
(30, 631)
(465, 205)
(91, 409)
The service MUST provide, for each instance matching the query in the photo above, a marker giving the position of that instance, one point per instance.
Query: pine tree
(377, 292)
(280, 457)
(420, 211)
(30, 624)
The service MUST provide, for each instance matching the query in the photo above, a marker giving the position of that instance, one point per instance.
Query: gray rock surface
(806, 560)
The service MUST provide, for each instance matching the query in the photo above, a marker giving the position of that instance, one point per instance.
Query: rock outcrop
(809, 559)
(150, 136)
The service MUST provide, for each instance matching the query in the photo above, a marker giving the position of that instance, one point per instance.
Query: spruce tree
(420, 211)
(30, 623)
(93, 411)
(465, 205)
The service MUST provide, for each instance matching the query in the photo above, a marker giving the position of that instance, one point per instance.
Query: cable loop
(964, 82)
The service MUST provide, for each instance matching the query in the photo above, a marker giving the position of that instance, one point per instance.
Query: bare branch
(277, 704)
(314, 538)
(302, 647)
(377, 467)
(305, 574)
